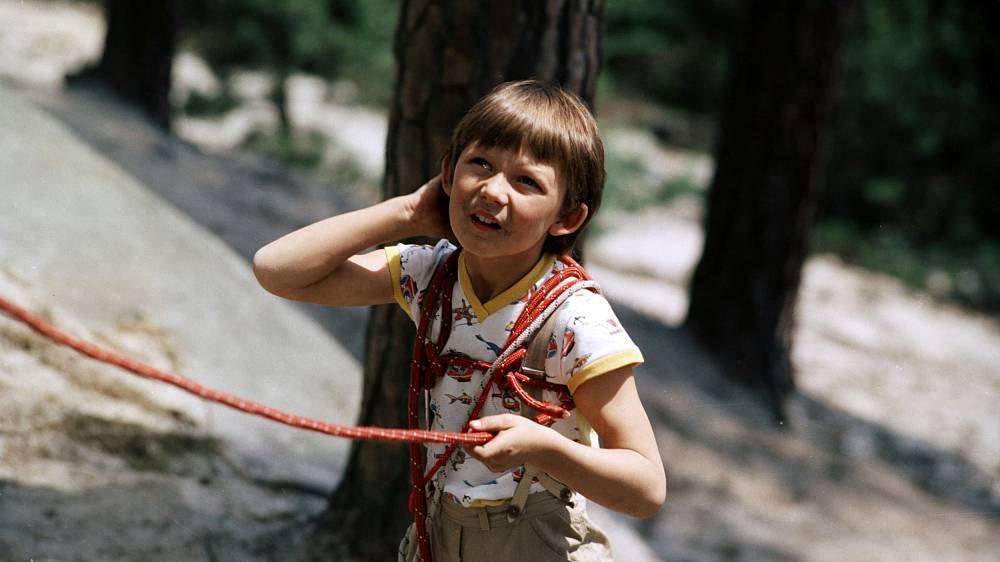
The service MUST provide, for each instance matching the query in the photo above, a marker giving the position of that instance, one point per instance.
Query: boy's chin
(485, 249)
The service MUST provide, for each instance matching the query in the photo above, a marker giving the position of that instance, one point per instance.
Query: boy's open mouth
(484, 222)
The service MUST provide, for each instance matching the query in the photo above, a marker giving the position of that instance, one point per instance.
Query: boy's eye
(528, 181)
(481, 162)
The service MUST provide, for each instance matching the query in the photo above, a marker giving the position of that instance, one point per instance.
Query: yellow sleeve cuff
(395, 272)
(605, 365)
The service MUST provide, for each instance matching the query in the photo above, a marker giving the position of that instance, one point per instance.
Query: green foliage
(329, 38)
(672, 51)
(970, 275)
(912, 178)
(367, 51)
(287, 35)
(303, 150)
(912, 183)
(629, 185)
(914, 134)
(201, 105)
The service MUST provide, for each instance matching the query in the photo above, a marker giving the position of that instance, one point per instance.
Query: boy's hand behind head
(428, 210)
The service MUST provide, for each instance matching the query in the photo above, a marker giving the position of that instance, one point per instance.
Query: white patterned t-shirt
(587, 342)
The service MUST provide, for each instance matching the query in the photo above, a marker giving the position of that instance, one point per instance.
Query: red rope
(428, 363)
(46, 329)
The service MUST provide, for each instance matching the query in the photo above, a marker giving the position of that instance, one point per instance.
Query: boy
(522, 177)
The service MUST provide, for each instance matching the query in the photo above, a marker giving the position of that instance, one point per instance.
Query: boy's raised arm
(321, 263)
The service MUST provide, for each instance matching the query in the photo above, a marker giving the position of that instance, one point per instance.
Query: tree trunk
(138, 53)
(449, 54)
(766, 186)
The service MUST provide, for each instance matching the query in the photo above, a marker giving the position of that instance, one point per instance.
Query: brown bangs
(510, 127)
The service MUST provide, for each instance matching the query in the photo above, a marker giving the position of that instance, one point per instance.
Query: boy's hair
(556, 127)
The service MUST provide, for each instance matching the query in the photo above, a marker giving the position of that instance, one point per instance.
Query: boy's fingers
(492, 423)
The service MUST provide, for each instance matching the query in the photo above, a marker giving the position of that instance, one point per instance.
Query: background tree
(766, 186)
(280, 38)
(449, 53)
(138, 53)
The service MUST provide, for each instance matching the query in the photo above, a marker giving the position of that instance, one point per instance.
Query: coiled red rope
(428, 363)
(43, 327)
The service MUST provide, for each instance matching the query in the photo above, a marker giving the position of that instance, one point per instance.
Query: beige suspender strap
(533, 365)
(516, 507)
(556, 488)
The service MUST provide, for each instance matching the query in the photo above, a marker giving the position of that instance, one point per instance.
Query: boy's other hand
(428, 210)
(518, 440)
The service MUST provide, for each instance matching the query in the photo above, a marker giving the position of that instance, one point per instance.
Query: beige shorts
(549, 530)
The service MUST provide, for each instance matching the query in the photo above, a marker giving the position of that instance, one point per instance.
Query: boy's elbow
(654, 500)
(649, 507)
(263, 271)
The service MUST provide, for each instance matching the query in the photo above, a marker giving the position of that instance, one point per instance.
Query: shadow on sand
(825, 451)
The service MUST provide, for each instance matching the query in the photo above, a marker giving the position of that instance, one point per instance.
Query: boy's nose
(495, 189)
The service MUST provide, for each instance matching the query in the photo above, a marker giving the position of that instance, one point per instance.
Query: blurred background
(799, 228)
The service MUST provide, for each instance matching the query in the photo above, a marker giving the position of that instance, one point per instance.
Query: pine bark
(138, 53)
(449, 53)
(766, 187)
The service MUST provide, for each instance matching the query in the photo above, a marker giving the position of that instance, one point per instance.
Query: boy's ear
(446, 173)
(571, 221)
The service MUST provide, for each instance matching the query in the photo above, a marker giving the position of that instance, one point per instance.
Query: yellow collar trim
(514, 292)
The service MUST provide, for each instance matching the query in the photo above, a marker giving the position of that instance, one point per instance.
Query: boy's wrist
(549, 450)
(402, 211)
(413, 217)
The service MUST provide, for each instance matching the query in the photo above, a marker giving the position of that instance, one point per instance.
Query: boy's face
(505, 203)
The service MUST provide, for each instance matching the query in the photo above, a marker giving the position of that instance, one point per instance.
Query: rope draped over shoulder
(428, 363)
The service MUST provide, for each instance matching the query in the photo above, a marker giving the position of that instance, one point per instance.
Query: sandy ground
(893, 451)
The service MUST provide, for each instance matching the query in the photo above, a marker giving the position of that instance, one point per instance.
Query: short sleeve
(411, 267)
(587, 342)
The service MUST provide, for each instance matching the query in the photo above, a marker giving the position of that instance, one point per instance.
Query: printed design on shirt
(564, 396)
(471, 485)
(507, 398)
(458, 458)
(509, 327)
(464, 312)
(552, 348)
(409, 288)
(579, 363)
(464, 398)
(492, 346)
(612, 326)
(518, 473)
(460, 373)
(435, 410)
(569, 341)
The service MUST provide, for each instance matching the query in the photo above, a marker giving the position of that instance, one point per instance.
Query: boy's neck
(492, 276)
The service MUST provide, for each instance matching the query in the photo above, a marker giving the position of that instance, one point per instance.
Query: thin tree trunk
(767, 184)
(449, 54)
(138, 53)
